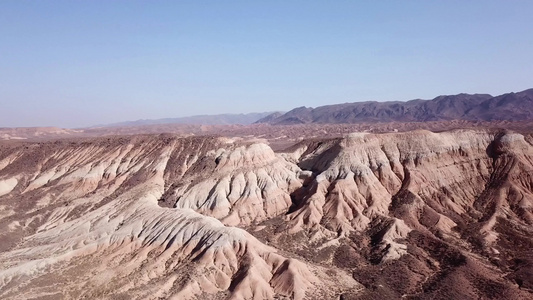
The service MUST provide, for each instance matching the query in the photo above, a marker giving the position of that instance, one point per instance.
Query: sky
(81, 63)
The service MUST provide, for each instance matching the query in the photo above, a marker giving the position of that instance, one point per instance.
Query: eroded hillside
(367, 216)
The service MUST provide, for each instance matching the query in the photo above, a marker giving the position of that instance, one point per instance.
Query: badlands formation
(414, 215)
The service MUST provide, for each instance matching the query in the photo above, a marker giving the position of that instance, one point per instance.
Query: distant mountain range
(222, 119)
(469, 107)
(476, 107)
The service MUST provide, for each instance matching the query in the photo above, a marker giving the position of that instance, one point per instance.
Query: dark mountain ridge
(471, 107)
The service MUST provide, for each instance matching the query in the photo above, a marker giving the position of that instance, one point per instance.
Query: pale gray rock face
(149, 217)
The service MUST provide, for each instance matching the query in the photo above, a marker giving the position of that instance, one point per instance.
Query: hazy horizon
(77, 64)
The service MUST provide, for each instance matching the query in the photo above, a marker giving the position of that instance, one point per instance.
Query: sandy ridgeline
(415, 214)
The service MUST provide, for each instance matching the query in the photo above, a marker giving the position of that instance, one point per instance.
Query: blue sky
(80, 63)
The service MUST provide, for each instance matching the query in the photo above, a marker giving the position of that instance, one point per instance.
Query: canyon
(359, 215)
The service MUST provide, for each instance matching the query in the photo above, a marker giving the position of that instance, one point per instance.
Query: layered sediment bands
(246, 184)
(416, 214)
(370, 174)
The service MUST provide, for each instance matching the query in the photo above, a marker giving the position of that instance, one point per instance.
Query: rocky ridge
(470, 107)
